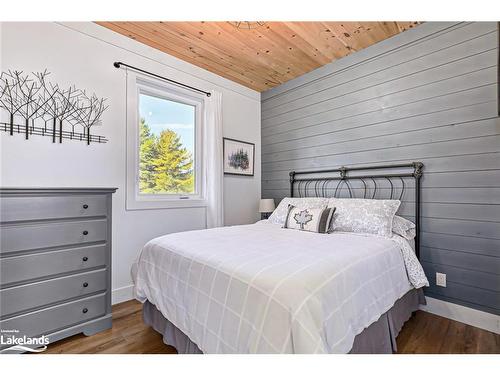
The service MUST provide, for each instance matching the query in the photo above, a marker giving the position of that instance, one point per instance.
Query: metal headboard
(368, 180)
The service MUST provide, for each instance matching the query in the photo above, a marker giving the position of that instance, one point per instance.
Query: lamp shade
(266, 205)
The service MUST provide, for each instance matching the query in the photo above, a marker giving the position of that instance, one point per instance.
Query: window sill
(134, 204)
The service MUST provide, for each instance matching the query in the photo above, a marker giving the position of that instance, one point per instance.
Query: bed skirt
(379, 337)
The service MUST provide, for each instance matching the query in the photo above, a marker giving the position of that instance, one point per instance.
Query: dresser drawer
(18, 208)
(25, 297)
(38, 236)
(32, 266)
(57, 317)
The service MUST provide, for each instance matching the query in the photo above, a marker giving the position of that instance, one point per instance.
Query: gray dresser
(55, 261)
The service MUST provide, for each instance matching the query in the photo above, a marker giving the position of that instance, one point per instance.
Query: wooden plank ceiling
(264, 56)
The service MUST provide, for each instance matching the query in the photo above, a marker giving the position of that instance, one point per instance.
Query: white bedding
(263, 289)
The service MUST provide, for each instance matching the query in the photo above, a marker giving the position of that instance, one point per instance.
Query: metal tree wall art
(36, 101)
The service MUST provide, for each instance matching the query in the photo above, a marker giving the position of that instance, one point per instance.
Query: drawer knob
(85, 310)
(85, 232)
(85, 259)
(85, 284)
(85, 206)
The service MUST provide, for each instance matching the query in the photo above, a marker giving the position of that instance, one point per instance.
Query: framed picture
(239, 157)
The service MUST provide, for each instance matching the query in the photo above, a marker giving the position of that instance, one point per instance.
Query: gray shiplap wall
(428, 94)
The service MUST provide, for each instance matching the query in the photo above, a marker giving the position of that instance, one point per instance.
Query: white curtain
(213, 160)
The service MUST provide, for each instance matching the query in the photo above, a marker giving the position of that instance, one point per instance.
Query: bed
(261, 288)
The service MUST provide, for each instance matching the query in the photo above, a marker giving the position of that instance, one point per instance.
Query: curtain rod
(118, 64)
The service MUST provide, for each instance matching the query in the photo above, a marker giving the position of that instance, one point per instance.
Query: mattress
(263, 289)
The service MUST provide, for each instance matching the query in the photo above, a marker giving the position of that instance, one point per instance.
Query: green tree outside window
(165, 166)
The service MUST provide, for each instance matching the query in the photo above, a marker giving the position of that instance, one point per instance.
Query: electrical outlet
(441, 279)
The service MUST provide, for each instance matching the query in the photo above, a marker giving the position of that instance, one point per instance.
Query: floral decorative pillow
(372, 216)
(309, 219)
(405, 228)
(280, 213)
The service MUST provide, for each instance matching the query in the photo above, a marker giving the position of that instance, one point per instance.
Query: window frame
(138, 84)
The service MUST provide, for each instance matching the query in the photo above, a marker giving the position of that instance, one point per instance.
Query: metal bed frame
(323, 182)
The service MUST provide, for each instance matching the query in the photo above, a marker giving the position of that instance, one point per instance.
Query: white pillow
(405, 228)
(372, 216)
(309, 219)
(279, 214)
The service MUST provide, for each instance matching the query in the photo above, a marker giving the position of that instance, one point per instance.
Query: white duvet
(263, 289)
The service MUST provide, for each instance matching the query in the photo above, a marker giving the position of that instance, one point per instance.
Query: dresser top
(55, 190)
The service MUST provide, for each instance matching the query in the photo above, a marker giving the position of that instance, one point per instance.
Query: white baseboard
(123, 294)
(476, 318)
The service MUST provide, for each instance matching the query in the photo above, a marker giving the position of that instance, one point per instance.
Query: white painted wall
(82, 54)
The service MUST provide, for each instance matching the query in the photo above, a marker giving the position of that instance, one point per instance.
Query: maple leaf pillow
(309, 219)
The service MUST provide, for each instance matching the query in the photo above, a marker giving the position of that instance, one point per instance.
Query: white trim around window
(138, 84)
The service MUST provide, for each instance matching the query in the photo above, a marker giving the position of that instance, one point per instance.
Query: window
(164, 162)
(166, 146)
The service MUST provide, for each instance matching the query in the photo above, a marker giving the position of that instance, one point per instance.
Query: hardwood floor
(424, 333)
(432, 334)
(129, 335)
